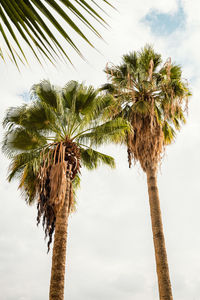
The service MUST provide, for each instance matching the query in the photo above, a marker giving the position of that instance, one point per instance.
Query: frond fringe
(59, 168)
(147, 143)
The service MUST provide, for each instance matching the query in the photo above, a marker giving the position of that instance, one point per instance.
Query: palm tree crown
(153, 97)
(57, 130)
(29, 19)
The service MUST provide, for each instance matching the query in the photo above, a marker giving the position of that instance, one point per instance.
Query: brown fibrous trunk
(59, 248)
(164, 284)
(146, 142)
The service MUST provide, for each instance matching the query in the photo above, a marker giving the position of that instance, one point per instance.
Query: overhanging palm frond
(29, 19)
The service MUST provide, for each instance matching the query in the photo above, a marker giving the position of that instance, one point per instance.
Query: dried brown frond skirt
(59, 166)
(146, 142)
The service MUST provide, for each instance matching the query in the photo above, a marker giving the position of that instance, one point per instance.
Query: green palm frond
(35, 116)
(25, 167)
(131, 61)
(113, 131)
(13, 117)
(30, 19)
(85, 104)
(19, 161)
(78, 97)
(76, 182)
(69, 93)
(22, 139)
(145, 56)
(27, 184)
(141, 107)
(91, 159)
(46, 93)
(109, 88)
(169, 133)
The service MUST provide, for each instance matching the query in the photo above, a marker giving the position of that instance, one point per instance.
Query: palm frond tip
(29, 21)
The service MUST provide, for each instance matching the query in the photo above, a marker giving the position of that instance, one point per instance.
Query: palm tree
(47, 141)
(153, 98)
(30, 20)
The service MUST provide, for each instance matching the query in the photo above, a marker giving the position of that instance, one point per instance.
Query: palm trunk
(59, 250)
(164, 283)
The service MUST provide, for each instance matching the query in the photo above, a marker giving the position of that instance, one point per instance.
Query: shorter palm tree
(153, 98)
(47, 142)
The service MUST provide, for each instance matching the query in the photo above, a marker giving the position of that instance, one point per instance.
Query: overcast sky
(110, 251)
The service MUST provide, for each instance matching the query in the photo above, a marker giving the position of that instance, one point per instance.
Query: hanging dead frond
(146, 145)
(60, 165)
(130, 137)
(152, 113)
(151, 66)
(129, 81)
(168, 65)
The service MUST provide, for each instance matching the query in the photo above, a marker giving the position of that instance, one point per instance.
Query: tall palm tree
(47, 141)
(30, 20)
(153, 98)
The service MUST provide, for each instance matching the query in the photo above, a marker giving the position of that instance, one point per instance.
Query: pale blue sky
(163, 24)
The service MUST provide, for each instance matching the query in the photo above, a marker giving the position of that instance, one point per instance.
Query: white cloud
(110, 250)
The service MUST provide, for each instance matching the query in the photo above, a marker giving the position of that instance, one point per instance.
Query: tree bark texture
(59, 250)
(164, 284)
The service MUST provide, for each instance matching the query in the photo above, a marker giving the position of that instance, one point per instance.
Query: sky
(110, 251)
